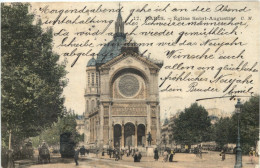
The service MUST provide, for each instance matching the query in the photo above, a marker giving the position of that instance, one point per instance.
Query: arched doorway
(117, 135)
(129, 132)
(141, 135)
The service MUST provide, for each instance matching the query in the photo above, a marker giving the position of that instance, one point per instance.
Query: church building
(121, 95)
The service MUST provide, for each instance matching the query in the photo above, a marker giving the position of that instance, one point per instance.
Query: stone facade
(122, 97)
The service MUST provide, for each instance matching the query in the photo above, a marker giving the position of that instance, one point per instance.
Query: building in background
(80, 124)
(122, 97)
(215, 114)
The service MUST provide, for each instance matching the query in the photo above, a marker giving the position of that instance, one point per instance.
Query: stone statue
(149, 139)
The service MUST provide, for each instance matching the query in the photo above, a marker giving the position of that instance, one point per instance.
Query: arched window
(92, 104)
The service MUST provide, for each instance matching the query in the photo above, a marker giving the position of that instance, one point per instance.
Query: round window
(128, 85)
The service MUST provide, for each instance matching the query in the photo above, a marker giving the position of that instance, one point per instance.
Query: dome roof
(119, 44)
(91, 62)
(111, 49)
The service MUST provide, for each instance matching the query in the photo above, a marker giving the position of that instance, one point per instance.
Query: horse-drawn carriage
(44, 154)
(82, 151)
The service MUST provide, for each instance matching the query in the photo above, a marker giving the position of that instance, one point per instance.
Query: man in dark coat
(156, 155)
(76, 156)
(136, 156)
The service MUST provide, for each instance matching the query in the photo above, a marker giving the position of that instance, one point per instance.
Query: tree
(192, 126)
(249, 124)
(226, 128)
(65, 124)
(224, 131)
(32, 78)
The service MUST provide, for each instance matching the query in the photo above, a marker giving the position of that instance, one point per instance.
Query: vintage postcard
(130, 84)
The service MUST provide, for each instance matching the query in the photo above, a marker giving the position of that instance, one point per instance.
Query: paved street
(209, 160)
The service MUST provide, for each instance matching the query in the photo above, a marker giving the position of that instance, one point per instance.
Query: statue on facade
(149, 139)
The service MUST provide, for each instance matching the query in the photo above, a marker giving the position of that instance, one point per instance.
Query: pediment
(127, 58)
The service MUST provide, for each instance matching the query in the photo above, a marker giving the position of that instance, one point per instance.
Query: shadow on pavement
(54, 160)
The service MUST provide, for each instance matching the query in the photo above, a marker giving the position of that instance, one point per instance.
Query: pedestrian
(252, 155)
(165, 156)
(223, 154)
(76, 156)
(114, 153)
(103, 152)
(156, 155)
(117, 155)
(139, 156)
(97, 153)
(110, 152)
(122, 153)
(171, 156)
(136, 156)
(200, 152)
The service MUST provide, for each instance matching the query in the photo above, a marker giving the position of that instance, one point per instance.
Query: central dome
(120, 43)
(111, 49)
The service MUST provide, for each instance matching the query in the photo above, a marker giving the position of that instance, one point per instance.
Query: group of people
(118, 154)
(167, 155)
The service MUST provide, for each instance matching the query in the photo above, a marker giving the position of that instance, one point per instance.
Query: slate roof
(91, 62)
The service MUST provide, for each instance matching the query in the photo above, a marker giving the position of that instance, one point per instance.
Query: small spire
(119, 24)
(119, 17)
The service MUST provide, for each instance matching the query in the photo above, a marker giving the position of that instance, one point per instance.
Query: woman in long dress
(156, 155)
(171, 156)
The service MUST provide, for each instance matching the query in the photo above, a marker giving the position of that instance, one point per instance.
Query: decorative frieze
(124, 109)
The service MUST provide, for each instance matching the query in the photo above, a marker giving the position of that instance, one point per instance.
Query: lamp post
(238, 163)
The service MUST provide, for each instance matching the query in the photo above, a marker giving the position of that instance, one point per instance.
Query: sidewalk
(184, 160)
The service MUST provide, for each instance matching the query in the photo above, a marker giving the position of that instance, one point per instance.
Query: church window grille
(97, 83)
(88, 79)
(93, 80)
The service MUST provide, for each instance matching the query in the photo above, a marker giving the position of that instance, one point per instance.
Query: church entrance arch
(141, 135)
(129, 133)
(117, 135)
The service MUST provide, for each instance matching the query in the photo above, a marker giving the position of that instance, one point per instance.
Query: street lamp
(238, 163)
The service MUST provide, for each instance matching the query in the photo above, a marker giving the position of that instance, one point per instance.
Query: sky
(170, 102)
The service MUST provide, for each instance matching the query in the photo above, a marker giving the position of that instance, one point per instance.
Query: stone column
(136, 134)
(158, 125)
(146, 142)
(101, 127)
(112, 139)
(148, 119)
(94, 129)
(98, 132)
(111, 126)
(123, 135)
